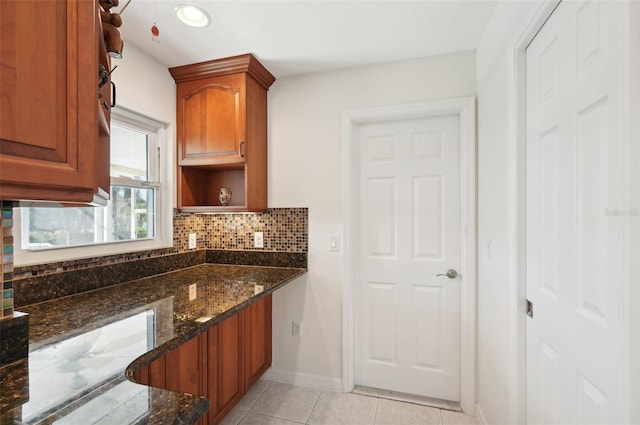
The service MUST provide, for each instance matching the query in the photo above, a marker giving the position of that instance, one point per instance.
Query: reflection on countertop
(80, 346)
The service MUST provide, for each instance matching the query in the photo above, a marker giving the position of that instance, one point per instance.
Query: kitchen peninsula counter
(82, 348)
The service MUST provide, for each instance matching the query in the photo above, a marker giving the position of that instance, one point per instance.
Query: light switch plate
(192, 240)
(258, 240)
(334, 243)
(192, 292)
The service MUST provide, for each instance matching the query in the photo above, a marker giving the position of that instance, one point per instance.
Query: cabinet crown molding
(232, 65)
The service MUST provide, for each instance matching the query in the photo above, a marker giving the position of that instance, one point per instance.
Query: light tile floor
(273, 403)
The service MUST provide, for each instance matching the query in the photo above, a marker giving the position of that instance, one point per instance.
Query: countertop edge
(194, 412)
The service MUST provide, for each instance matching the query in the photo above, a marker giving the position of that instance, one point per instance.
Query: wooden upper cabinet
(51, 144)
(212, 121)
(222, 134)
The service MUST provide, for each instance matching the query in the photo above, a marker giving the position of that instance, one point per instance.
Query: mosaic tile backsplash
(285, 232)
(6, 224)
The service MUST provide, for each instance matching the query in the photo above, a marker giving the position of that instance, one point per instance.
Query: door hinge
(529, 309)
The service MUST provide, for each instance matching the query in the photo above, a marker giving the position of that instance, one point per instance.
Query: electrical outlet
(258, 289)
(258, 240)
(296, 328)
(192, 292)
(193, 238)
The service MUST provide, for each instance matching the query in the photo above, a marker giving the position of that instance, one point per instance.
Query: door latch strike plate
(529, 309)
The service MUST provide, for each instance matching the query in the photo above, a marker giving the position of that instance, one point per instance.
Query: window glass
(129, 152)
(50, 227)
(132, 212)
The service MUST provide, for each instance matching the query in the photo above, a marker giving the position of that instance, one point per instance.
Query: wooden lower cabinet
(226, 374)
(257, 343)
(221, 364)
(182, 369)
(154, 373)
(185, 370)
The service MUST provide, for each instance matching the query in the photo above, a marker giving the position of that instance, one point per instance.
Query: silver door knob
(451, 274)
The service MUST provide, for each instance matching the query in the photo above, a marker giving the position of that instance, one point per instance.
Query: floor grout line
(259, 395)
(277, 417)
(314, 406)
(375, 411)
(242, 417)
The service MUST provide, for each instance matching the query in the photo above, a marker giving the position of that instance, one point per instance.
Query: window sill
(40, 256)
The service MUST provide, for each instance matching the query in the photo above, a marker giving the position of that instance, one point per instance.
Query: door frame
(465, 109)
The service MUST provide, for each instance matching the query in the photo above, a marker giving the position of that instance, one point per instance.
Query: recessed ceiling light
(192, 15)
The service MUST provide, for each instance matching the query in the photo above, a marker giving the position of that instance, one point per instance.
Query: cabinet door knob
(241, 150)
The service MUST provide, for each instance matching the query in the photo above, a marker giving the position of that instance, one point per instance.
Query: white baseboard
(480, 416)
(287, 377)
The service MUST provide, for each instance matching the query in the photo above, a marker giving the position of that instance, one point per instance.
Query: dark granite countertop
(82, 346)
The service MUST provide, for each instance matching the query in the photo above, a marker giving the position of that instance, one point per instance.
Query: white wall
(145, 85)
(305, 171)
(497, 296)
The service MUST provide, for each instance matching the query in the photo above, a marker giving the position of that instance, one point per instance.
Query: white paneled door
(407, 320)
(574, 176)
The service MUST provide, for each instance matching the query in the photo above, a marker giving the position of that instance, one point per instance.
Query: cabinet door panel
(226, 384)
(48, 130)
(211, 121)
(141, 376)
(182, 371)
(257, 339)
(230, 385)
(153, 374)
(156, 375)
(28, 96)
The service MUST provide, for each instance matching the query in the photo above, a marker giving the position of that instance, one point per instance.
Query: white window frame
(164, 217)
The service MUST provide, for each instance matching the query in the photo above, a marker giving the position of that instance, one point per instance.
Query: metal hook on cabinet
(113, 94)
